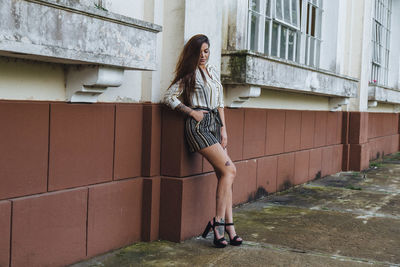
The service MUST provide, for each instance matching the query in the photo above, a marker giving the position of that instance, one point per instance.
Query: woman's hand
(224, 137)
(198, 115)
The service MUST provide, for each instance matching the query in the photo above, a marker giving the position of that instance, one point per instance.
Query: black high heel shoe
(234, 241)
(217, 242)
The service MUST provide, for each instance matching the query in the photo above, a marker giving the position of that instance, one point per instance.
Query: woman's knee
(230, 171)
(233, 170)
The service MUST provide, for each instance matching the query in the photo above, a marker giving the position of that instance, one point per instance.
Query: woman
(197, 84)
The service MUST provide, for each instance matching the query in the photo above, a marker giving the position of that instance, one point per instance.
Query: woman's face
(204, 53)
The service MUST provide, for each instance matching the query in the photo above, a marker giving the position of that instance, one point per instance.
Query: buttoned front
(206, 94)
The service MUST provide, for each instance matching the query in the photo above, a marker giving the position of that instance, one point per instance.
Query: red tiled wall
(151, 208)
(151, 137)
(51, 147)
(128, 141)
(383, 134)
(267, 168)
(254, 133)
(114, 216)
(81, 145)
(24, 134)
(129, 162)
(275, 139)
(245, 184)
(368, 136)
(49, 229)
(5, 227)
(382, 124)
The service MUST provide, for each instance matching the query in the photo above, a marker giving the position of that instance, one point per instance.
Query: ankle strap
(217, 223)
(227, 224)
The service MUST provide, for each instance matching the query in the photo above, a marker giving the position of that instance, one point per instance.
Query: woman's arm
(171, 100)
(224, 135)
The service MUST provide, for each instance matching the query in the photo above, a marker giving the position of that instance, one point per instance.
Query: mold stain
(286, 185)
(261, 192)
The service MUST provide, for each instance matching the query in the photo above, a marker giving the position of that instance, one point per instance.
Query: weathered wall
(31, 80)
(382, 107)
(206, 20)
(97, 41)
(285, 100)
(182, 20)
(329, 46)
(174, 27)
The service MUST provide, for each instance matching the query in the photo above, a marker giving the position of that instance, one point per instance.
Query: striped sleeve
(171, 95)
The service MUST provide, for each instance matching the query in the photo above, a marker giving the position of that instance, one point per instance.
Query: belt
(214, 114)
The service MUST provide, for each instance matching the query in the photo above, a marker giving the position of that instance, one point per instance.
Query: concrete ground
(346, 219)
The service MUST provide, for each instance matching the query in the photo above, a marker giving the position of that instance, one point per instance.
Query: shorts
(204, 133)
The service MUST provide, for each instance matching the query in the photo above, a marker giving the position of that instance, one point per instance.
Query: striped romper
(206, 96)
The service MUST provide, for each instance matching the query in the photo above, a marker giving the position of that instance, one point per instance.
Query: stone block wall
(78, 180)
(272, 150)
(369, 136)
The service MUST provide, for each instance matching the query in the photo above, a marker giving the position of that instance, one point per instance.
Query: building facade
(91, 161)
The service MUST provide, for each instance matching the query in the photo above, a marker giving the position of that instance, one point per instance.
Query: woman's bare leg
(226, 172)
(228, 213)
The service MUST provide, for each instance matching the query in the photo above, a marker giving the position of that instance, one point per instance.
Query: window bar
(287, 43)
(295, 46)
(249, 29)
(310, 19)
(309, 40)
(270, 37)
(279, 41)
(308, 50)
(261, 26)
(315, 51)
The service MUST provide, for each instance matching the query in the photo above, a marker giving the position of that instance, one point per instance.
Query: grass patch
(375, 164)
(352, 187)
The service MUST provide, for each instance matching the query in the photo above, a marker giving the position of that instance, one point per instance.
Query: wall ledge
(383, 94)
(71, 33)
(247, 67)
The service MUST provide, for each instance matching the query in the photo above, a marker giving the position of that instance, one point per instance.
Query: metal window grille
(276, 28)
(381, 41)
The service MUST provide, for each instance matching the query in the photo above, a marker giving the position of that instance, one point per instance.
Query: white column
(205, 17)
(153, 12)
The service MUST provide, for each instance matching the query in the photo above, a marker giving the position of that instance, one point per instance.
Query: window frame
(300, 38)
(381, 35)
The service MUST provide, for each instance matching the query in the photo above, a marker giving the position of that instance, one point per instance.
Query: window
(279, 27)
(313, 32)
(381, 41)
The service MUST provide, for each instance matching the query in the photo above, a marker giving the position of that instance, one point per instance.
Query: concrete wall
(31, 80)
(131, 89)
(329, 46)
(285, 100)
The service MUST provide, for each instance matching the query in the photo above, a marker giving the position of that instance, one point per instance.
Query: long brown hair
(185, 70)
